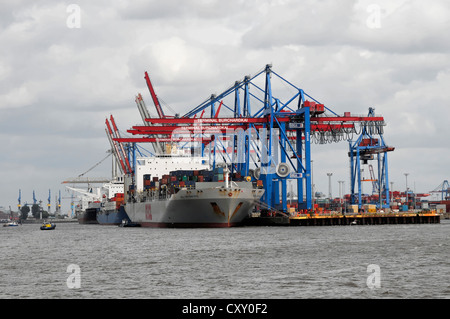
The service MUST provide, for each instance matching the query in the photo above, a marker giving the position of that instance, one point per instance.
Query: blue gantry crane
(19, 200)
(49, 201)
(369, 144)
(444, 189)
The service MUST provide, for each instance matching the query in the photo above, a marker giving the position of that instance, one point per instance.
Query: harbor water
(94, 261)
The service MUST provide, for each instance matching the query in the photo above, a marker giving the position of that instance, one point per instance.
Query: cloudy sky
(62, 73)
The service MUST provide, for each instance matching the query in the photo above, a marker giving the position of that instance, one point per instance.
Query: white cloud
(17, 97)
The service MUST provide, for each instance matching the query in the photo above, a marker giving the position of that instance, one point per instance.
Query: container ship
(195, 197)
(113, 213)
(88, 215)
(87, 207)
(102, 205)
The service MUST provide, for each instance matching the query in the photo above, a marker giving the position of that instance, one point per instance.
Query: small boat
(12, 223)
(355, 222)
(47, 226)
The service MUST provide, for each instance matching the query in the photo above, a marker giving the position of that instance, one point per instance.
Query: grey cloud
(412, 27)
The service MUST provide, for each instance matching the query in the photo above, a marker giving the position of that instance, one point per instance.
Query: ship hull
(112, 217)
(209, 207)
(88, 216)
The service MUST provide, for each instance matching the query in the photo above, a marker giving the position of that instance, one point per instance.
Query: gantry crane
(266, 136)
(444, 189)
(370, 143)
(19, 200)
(117, 147)
(49, 202)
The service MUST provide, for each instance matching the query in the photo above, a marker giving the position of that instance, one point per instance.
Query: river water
(93, 261)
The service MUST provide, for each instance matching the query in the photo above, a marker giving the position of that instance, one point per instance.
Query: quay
(338, 219)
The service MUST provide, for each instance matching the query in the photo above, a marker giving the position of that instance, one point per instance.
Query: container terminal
(262, 133)
(260, 129)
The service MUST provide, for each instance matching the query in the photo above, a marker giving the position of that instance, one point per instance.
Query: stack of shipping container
(170, 183)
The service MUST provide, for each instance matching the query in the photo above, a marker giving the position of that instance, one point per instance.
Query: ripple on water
(247, 262)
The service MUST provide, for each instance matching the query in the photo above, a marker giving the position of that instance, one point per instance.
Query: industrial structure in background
(262, 126)
(37, 205)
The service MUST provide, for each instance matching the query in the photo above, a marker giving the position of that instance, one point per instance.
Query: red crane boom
(114, 143)
(154, 97)
(116, 134)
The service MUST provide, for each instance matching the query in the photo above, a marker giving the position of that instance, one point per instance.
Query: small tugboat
(47, 226)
